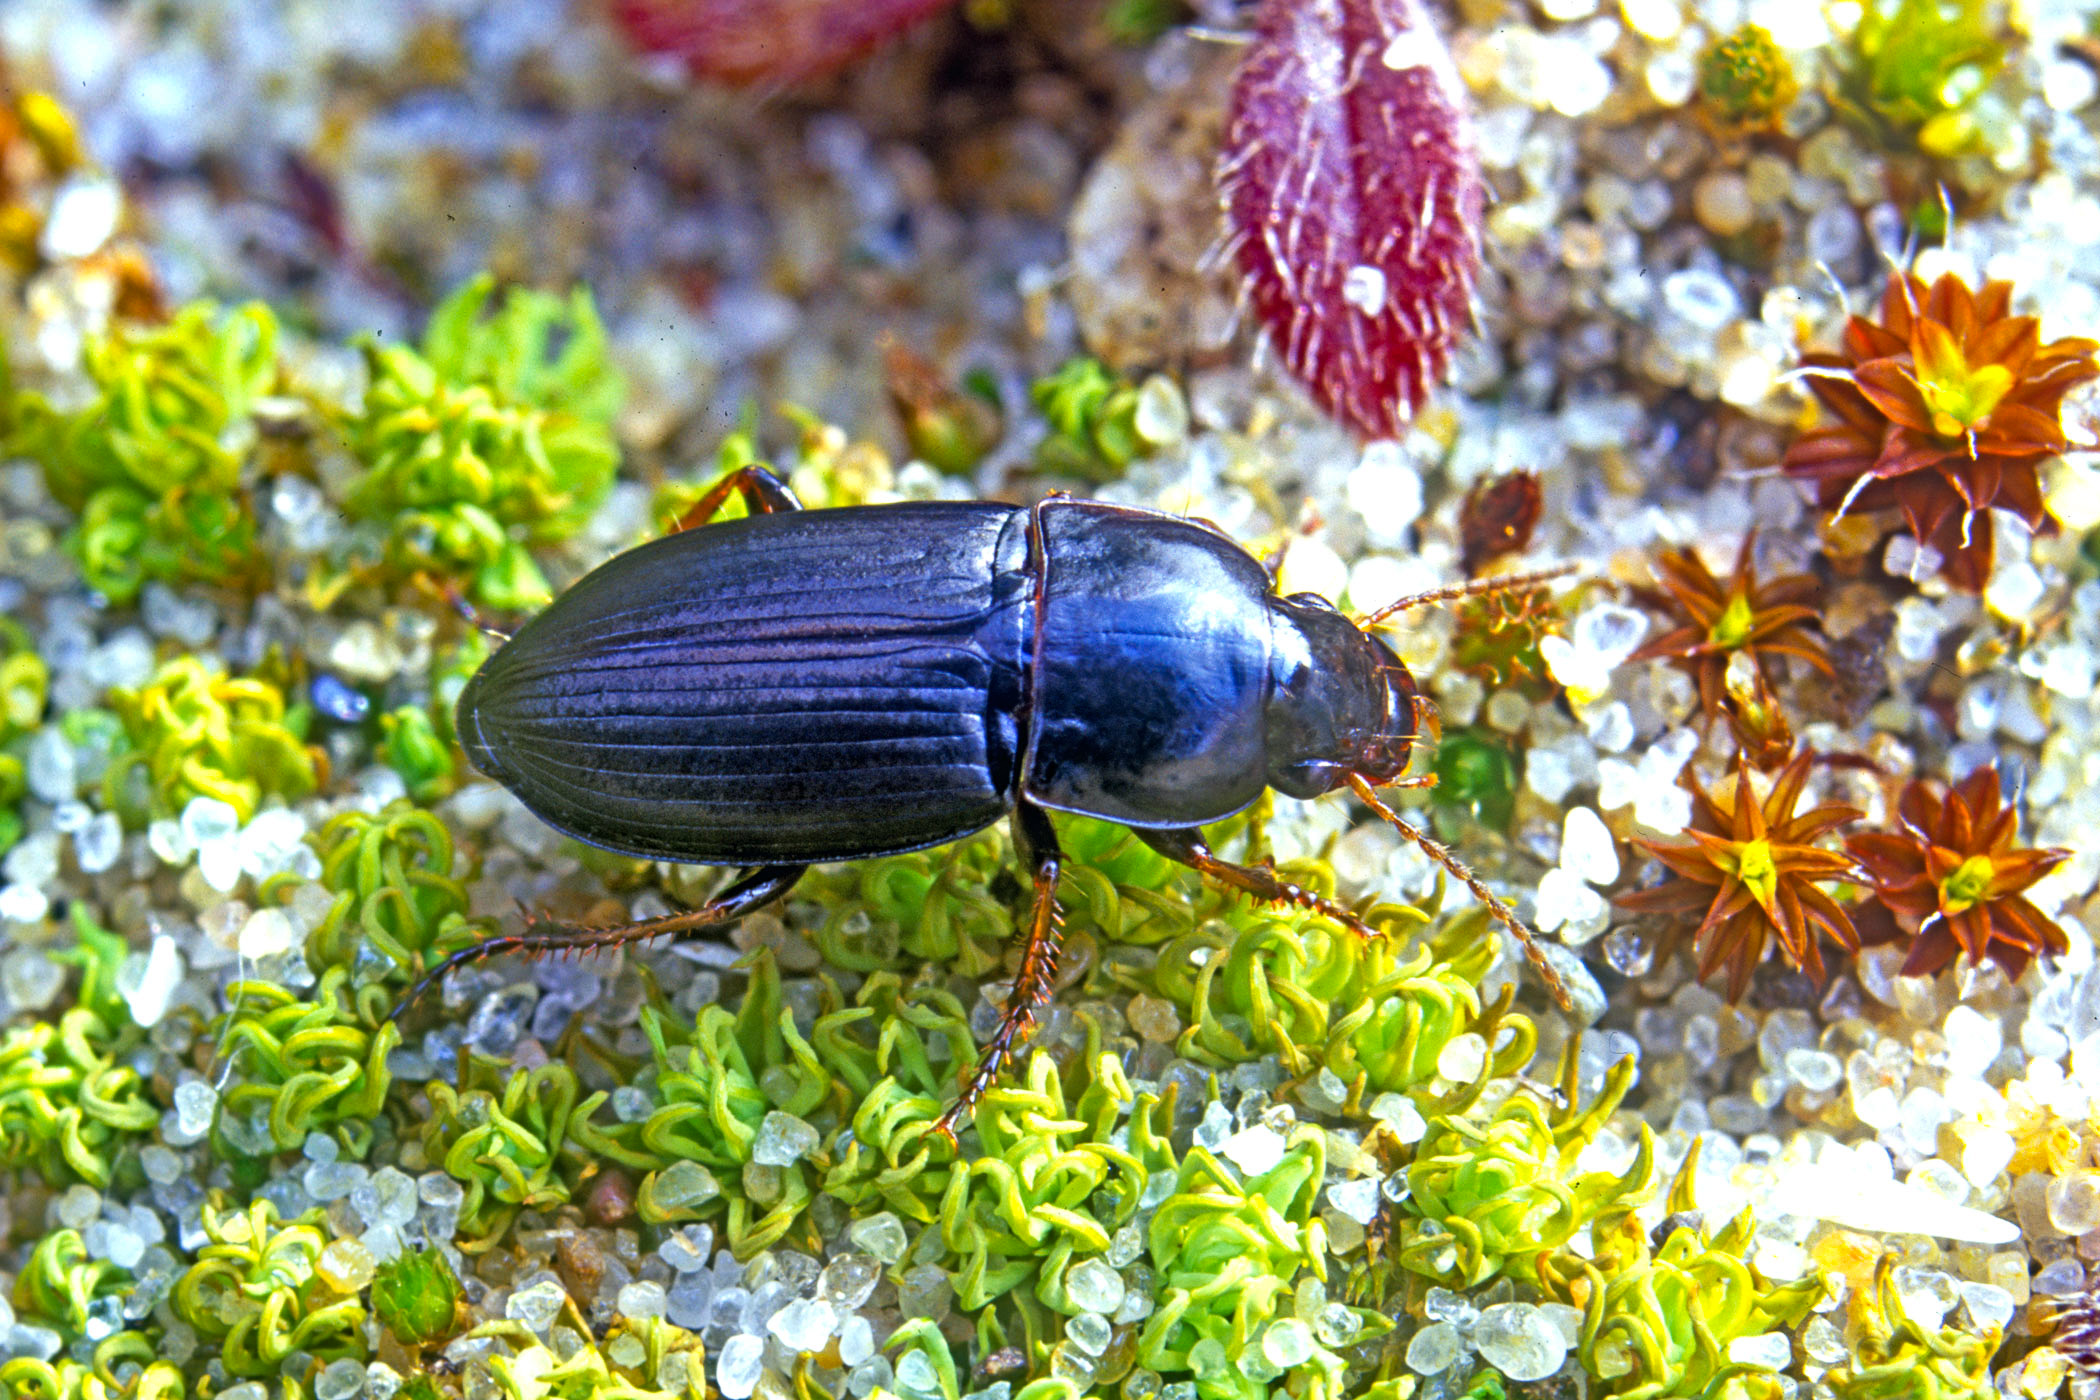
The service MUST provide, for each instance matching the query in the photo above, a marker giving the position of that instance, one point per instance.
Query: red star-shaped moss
(1715, 621)
(1754, 871)
(1945, 408)
(1951, 878)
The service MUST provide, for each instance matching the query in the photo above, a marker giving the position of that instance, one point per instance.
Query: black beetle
(791, 688)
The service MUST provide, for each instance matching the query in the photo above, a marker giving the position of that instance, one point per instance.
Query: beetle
(792, 687)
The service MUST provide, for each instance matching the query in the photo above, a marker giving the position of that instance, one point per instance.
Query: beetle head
(1340, 701)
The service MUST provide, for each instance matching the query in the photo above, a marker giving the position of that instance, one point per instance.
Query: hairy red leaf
(1353, 201)
(753, 41)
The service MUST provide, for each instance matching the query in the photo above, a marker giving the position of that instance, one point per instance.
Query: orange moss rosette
(1717, 621)
(1754, 870)
(1945, 406)
(1950, 878)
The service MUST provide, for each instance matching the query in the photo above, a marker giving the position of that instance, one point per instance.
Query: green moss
(1912, 71)
(1658, 1320)
(301, 1067)
(1477, 774)
(1092, 416)
(153, 462)
(26, 1378)
(59, 1284)
(1893, 1358)
(411, 745)
(24, 683)
(714, 1087)
(630, 1363)
(1495, 1194)
(1745, 80)
(1235, 1258)
(502, 1135)
(71, 1104)
(1053, 1182)
(492, 437)
(253, 1291)
(926, 906)
(416, 1295)
(398, 895)
(193, 731)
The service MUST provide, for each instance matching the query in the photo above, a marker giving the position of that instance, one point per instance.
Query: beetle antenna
(1502, 583)
(1441, 854)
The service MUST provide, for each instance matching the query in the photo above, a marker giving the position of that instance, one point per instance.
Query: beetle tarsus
(1037, 840)
(1186, 846)
(1441, 854)
(759, 887)
(763, 493)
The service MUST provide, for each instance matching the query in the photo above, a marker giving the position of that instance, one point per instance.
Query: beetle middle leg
(1036, 840)
(760, 887)
(1186, 846)
(763, 493)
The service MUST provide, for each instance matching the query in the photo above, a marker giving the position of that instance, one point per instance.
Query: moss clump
(1912, 71)
(24, 681)
(501, 1135)
(1495, 1195)
(196, 732)
(1894, 1358)
(254, 1292)
(1745, 81)
(416, 1295)
(398, 894)
(491, 437)
(1658, 1320)
(1093, 419)
(27, 1378)
(70, 1102)
(1477, 774)
(153, 462)
(1240, 1261)
(302, 1066)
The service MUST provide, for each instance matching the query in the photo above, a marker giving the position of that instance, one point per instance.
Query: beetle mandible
(791, 687)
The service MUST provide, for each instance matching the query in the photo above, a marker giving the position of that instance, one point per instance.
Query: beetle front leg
(763, 493)
(1036, 840)
(1186, 846)
(762, 886)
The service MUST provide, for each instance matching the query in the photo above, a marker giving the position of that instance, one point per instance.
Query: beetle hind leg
(1037, 841)
(761, 886)
(763, 493)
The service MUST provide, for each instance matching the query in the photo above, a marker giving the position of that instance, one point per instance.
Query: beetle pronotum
(796, 687)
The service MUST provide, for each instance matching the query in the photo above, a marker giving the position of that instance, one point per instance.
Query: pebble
(1520, 1342)
(346, 1265)
(881, 1235)
(783, 1140)
(1254, 1150)
(684, 1185)
(196, 1104)
(147, 981)
(1094, 1287)
(641, 1299)
(740, 1364)
(1721, 202)
(1433, 1349)
(1089, 1332)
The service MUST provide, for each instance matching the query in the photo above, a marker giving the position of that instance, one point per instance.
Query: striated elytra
(797, 687)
